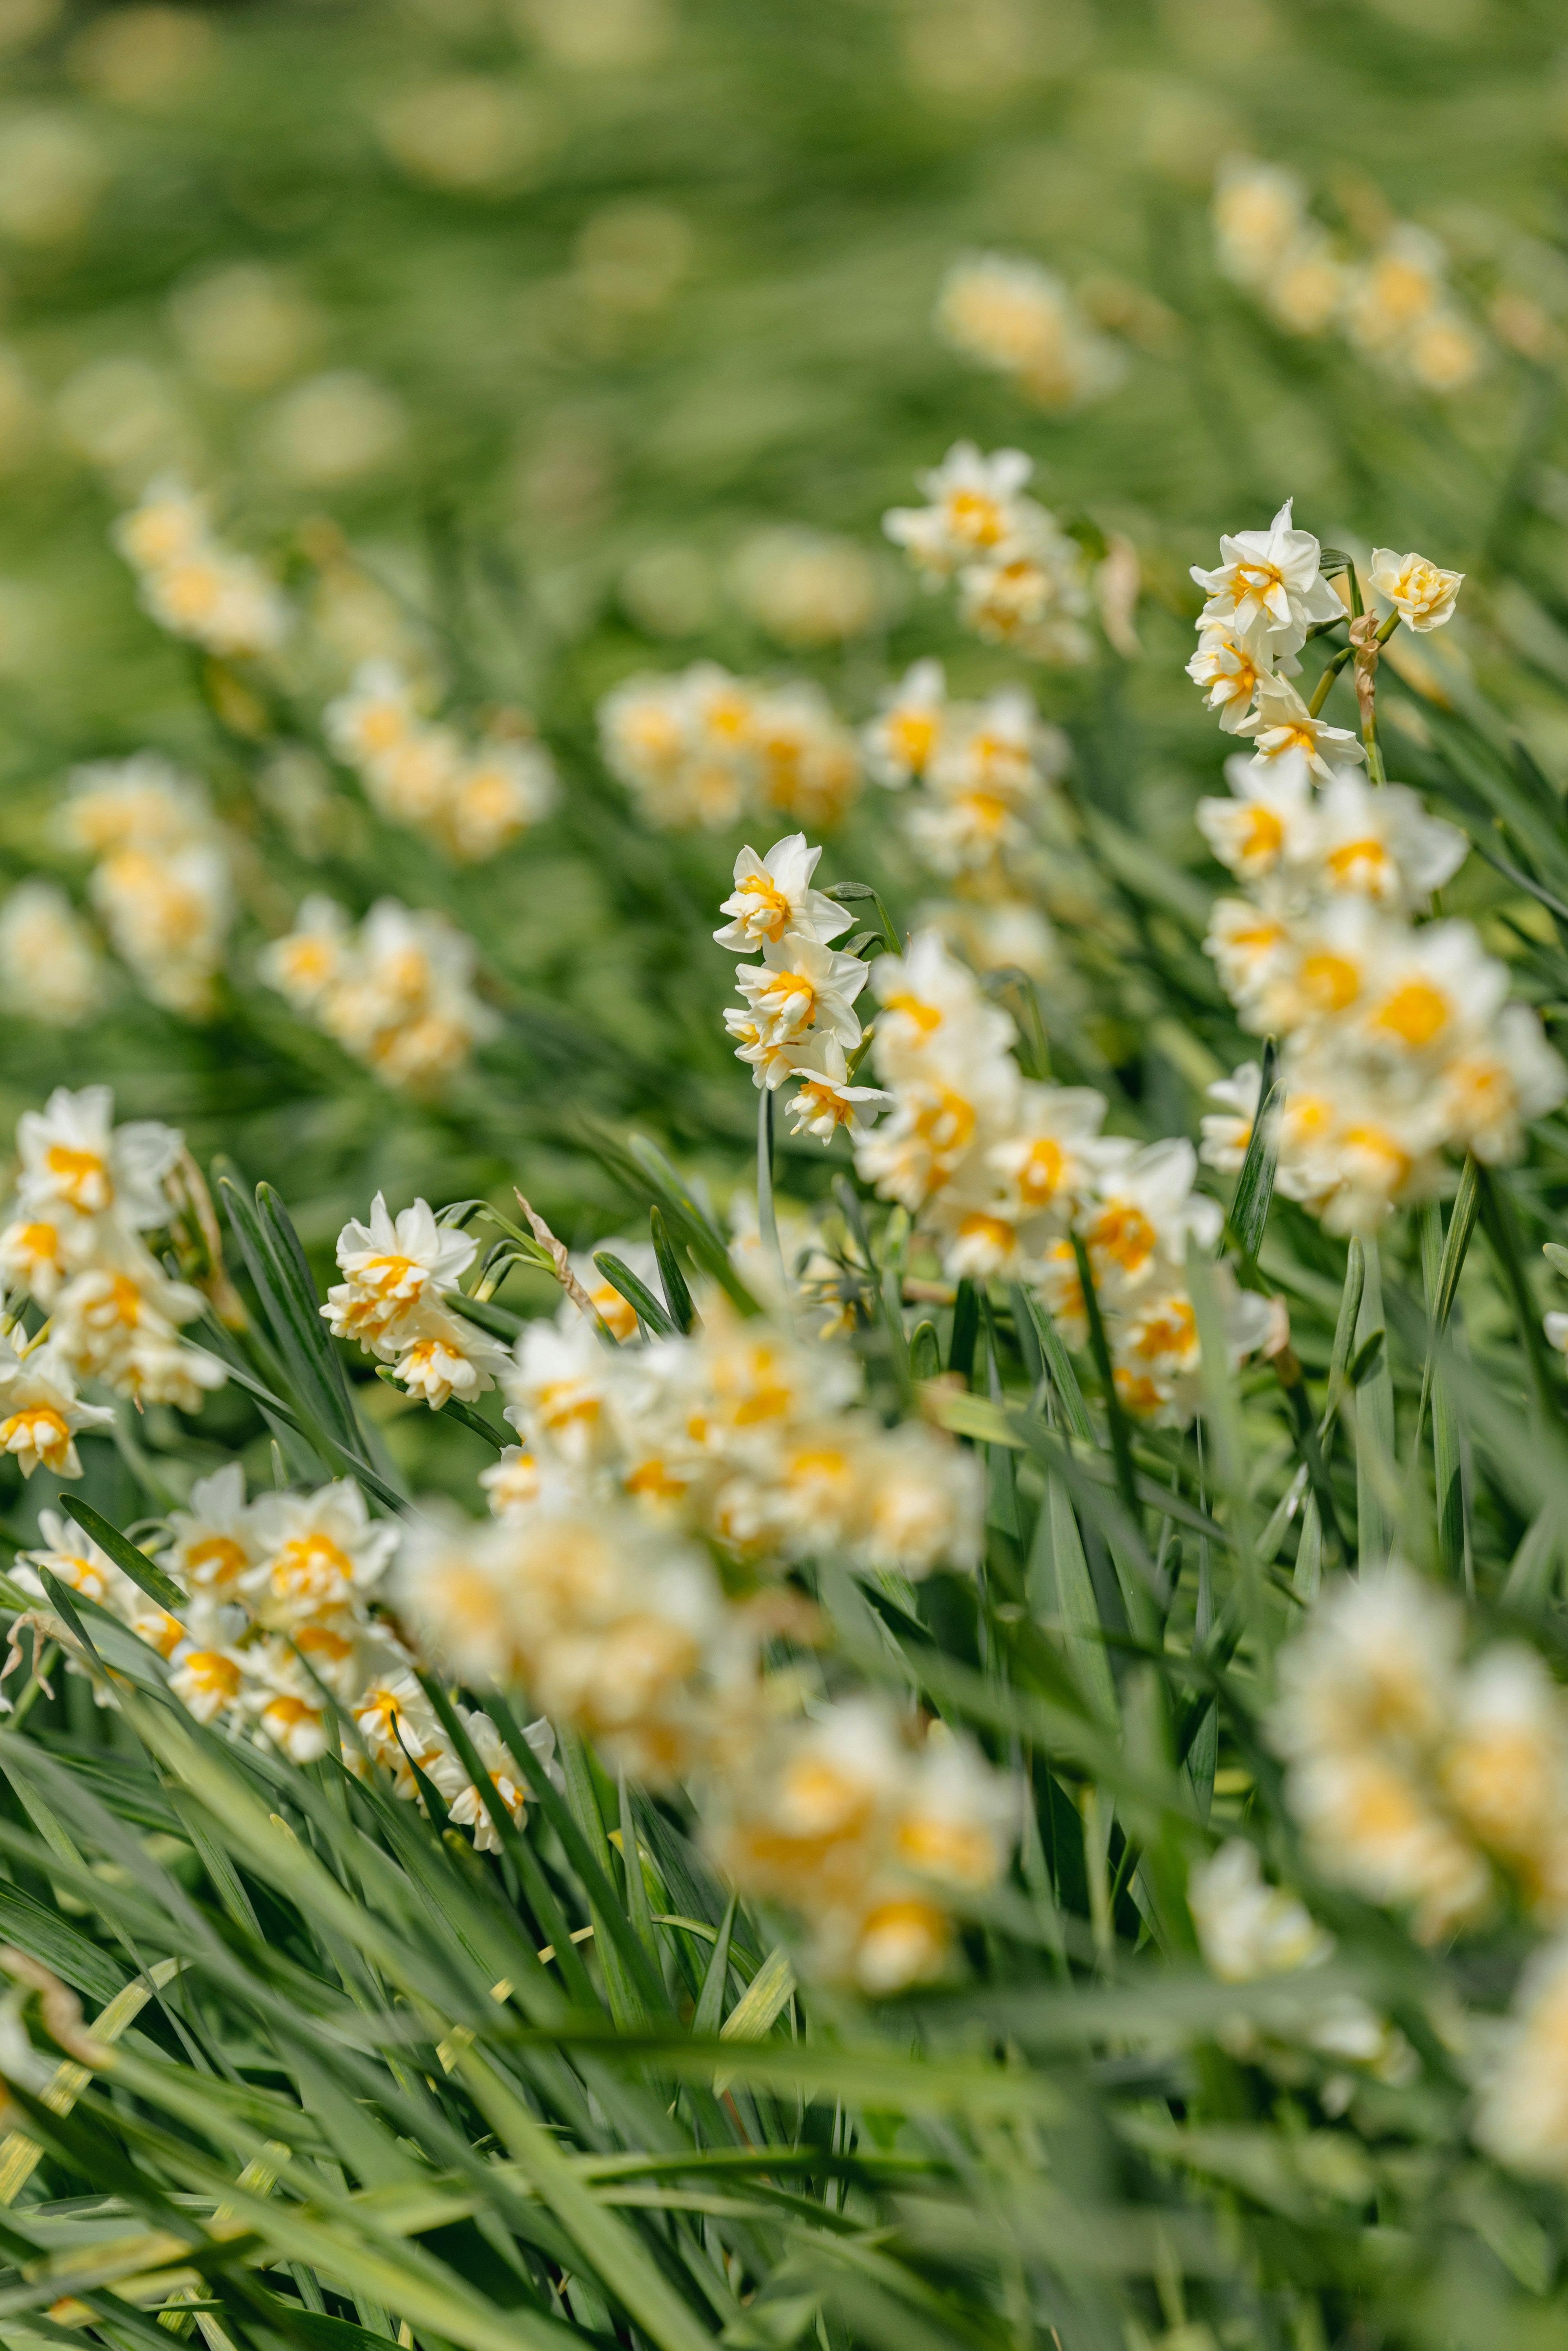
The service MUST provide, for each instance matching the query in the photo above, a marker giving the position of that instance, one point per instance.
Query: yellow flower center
(947, 1124)
(1353, 859)
(768, 909)
(1123, 1233)
(955, 1850)
(212, 1673)
(1041, 1174)
(81, 1177)
(1172, 1332)
(39, 1429)
(925, 1016)
(1264, 836)
(1329, 981)
(975, 515)
(1416, 1013)
(312, 1567)
(216, 1560)
(994, 1231)
(913, 736)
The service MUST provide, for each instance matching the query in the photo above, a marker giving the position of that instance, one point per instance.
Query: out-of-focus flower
(243, 327)
(53, 174)
(867, 1836)
(396, 993)
(1258, 212)
(1247, 1929)
(163, 885)
(50, 968)
(806, 588)
(193, 586)
(467, 134)
(336, 428)
(703, 747)
(1020, 320)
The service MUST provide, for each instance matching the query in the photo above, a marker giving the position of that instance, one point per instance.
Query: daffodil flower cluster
(400, 1276)
(1397, 1041)
(1421, 1779)
(1264, 598)
(163, 882)
(1021, 579)
(1391, 300)
(1004, 1173)
(1022, 321)
(87, 1193)
(797, 1019)
(470, 798)
(868, 1831)
(984, 769)
(191, 584)
(279, 1642)
(705, 747)
(395, 992)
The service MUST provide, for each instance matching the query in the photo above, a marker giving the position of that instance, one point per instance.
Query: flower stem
(766, 1222)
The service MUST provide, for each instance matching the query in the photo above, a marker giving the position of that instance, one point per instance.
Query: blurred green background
(502, 328)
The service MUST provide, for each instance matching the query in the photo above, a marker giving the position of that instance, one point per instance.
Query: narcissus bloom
(1421, 593)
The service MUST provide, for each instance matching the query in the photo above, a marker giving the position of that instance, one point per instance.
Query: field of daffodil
(784, 1278)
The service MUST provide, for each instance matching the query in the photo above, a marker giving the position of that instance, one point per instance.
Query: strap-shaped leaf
(1255, 1184)
(637, 1294)
(708, 2014)
(132, 1562)
(677, 1296)
(316, 1398)
(298, 1284)
(1059, 1363)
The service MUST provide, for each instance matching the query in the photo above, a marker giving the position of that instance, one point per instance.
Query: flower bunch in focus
(1013, 1181)
(1021, 580)
(797, 1019)
(87, 1193)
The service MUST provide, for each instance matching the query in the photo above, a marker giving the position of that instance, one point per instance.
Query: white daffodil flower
(801, 985)
(1381, 844)
(1271, 580)
(773, 899)
(976, 509)
(1142, 1211)
(216, 1539)
(437, 1354)
(394, 1266)
(899, 743)
(1422, 594)
(40, 1415)
(827, 1100)
(1247, 1929)
(1228, 666)
(319, 1551)
(75, 1157)
(1267, 822)
(1281, 724)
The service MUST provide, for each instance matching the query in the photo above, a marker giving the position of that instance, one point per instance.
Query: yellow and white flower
(41, 1415)
(773, 899)
(1269, 581)
(394, 1266)
(1281, 727)
(1422, 594)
